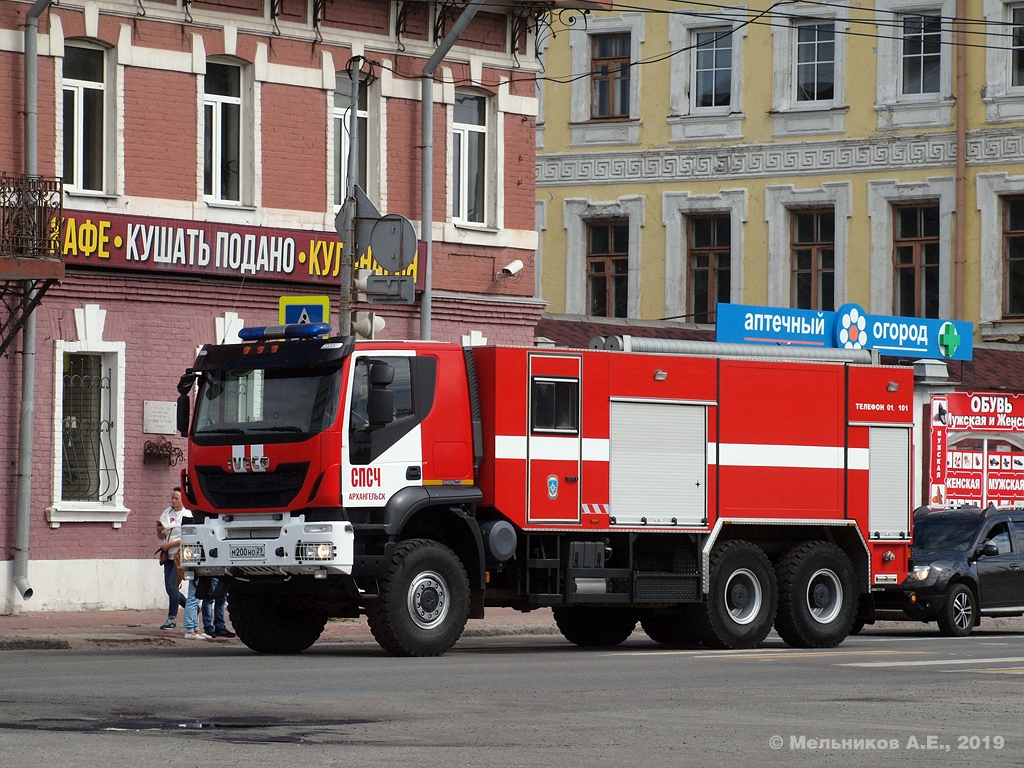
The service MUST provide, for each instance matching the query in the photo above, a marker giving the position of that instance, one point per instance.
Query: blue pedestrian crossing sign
(304, 309)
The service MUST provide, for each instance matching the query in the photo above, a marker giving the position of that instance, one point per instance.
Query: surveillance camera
(512, 268)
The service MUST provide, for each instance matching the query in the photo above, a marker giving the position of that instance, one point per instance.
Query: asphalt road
(883, 698)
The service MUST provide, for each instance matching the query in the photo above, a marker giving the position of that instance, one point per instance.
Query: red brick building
(202, 148)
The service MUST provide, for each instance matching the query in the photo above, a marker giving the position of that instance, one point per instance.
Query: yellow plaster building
(796, 155)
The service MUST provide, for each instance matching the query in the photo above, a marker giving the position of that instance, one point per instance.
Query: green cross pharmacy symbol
(949, 339)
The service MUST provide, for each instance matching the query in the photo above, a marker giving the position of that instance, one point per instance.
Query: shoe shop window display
(168, 528)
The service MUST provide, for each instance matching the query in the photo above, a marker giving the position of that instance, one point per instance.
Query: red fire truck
(707, 493)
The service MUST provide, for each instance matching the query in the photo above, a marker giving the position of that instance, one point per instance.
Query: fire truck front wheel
(592, 627)
(268, 624)
(817, 595)
(742, 597)
(424, 600)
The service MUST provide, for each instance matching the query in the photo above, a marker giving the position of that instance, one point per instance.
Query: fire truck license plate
(248, 551)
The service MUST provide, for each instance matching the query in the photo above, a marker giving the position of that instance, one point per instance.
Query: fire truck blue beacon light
(291, 331)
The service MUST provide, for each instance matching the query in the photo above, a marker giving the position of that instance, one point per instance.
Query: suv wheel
(959, 612)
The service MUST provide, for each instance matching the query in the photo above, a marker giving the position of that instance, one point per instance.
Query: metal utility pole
(348, 247)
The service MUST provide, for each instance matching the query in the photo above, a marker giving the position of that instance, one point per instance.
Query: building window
(222, 120)
(710, 252)
(608, 269)
(1013, 248)
(1017, 44)
(922, 54)
(84, 118)
(610, 68)
(87, 472)
(712, 68)
(342, 122)
(814, 259)
(469, 159)
(815, 61)
(916, 260)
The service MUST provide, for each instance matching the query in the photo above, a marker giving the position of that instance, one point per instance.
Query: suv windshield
(948, 534)
(266, 401)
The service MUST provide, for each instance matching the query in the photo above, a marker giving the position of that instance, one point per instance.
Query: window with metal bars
(89, 472)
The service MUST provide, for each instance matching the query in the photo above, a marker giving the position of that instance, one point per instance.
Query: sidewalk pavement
(93, 630)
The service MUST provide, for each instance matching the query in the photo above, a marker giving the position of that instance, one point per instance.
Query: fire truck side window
(413, 389)
(555, 405)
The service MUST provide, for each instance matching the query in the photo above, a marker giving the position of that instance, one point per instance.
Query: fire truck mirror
(183, 415)
(381, 375)
(380, 406)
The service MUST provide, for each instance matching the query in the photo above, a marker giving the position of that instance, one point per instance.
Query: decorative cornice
(744, 161)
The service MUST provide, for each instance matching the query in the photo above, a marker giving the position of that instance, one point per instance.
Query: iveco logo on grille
(248, 458)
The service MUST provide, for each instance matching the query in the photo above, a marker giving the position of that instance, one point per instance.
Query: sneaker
(223, 633)
(168, 625)
(197, 636)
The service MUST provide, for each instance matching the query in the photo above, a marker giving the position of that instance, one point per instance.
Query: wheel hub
(428, 600)
(743, 596)
(824, 596)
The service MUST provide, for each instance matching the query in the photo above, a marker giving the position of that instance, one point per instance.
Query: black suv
(965, 563)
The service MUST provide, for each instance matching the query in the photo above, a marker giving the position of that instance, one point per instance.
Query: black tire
(424, 600)
(676, 627)
(818, 595)
(591, 627)
(959, 612)
(267, 624)
(741, 599)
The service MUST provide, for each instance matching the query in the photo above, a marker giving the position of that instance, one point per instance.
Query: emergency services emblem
(552, 487)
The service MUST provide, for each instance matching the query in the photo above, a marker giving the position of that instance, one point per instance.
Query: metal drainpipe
(427, 107)
(961, 160)
(26, 430)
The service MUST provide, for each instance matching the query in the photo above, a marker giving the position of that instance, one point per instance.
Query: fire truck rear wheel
(742, 597)
(817, 595)
(267, 624)
(673, 626)
(592, 627)
(424, 600)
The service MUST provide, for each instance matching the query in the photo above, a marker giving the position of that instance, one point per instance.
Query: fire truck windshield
(266, 403)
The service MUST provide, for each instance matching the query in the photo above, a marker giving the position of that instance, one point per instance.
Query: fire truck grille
(665, 587)
(252, 490)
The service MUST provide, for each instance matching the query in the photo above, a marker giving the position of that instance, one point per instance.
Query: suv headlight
(920, 572)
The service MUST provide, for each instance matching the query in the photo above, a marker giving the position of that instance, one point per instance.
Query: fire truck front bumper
(266, 545)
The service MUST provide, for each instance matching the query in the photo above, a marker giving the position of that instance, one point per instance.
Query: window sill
(1008, 107)
(697, 126)
(915, 114)
(85, 512)
(1003, 330)
(228, 206)
(804, 120)
(482, 228)
(611, 132)
(87, 194)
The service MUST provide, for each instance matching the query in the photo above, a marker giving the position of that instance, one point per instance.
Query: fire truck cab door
(379, 460)
(554, 440)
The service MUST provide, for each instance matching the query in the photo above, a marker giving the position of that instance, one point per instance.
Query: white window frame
(368, 136)
(583, 129)
(911, 110)
(244, 101)
(675, 207)
(686, 121)
(89, 322)
(991, 187)
(576, 214)
(460, 134)
(780, 202)
(1004, 102)
(110, 97)
(882, 196)
(792, 117)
